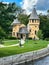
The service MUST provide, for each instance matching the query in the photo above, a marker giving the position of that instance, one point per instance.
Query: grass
(10, 42)
(30, 45)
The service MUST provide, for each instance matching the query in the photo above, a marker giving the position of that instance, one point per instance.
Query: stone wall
(24, 57)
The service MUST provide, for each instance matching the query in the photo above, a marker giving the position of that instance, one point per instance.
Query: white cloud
(5, 2)
(40, 6)
(43, 12)
(28, 5)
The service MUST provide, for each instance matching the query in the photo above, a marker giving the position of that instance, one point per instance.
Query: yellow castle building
(30, 30)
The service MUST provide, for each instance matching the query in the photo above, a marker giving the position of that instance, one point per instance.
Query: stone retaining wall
(24, 57)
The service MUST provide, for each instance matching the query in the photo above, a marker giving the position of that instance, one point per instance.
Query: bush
(47, 39)
(30, 38)
(1, 41)
(40, 34)
(11, 38)
(35, 43)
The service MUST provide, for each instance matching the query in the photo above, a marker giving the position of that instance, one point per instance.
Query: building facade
(32, 26)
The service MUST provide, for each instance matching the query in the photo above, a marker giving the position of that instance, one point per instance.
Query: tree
(7, 15)
(23, 18)
(40, 34)
(48, 11)
(2, 33)
(44, 26)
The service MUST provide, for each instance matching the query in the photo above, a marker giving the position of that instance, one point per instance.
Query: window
(30, 30)
(21, 36)
(17, 34)
(35, 32)
(32, 20)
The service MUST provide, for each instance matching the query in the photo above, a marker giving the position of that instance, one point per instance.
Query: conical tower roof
(34, 14)
(16, 21)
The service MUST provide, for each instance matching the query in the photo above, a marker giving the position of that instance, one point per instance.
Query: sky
(41, 5)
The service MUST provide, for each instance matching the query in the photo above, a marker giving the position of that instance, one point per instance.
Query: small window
(17, 34)
(21, 36)
(30, 30)
(35, 32)
(32, 20)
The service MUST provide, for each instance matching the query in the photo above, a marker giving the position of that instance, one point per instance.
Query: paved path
(2, 46)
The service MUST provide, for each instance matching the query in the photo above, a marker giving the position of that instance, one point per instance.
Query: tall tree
(8, 13)
(44, 26)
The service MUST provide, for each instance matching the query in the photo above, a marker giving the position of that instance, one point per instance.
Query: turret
(15, 27)
(33, 25)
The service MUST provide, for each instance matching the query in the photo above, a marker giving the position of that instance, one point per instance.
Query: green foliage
(7, 15)
(23, 18)
(10, 42)
(11, 38)
(2, 33)
(47, 39)
(44, 26)
(39, 34)
(1, 41)
(48, 11)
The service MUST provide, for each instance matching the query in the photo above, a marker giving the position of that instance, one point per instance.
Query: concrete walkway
(3, 46)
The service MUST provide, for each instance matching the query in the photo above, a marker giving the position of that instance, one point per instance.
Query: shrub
(47, 39)
(1, 41)
(30, 38)
(36, 43)
(11, 38)
(40, 34)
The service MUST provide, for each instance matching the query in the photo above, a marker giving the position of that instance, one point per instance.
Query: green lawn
(30, 45)
(10, 42)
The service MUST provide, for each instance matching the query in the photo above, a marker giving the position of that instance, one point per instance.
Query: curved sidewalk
(2, 46)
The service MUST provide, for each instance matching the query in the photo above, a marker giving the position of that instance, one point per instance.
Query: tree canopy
(44, 26)
(8, 13)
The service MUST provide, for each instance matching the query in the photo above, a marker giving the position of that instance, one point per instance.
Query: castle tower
(33, 25)
(15, 28)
